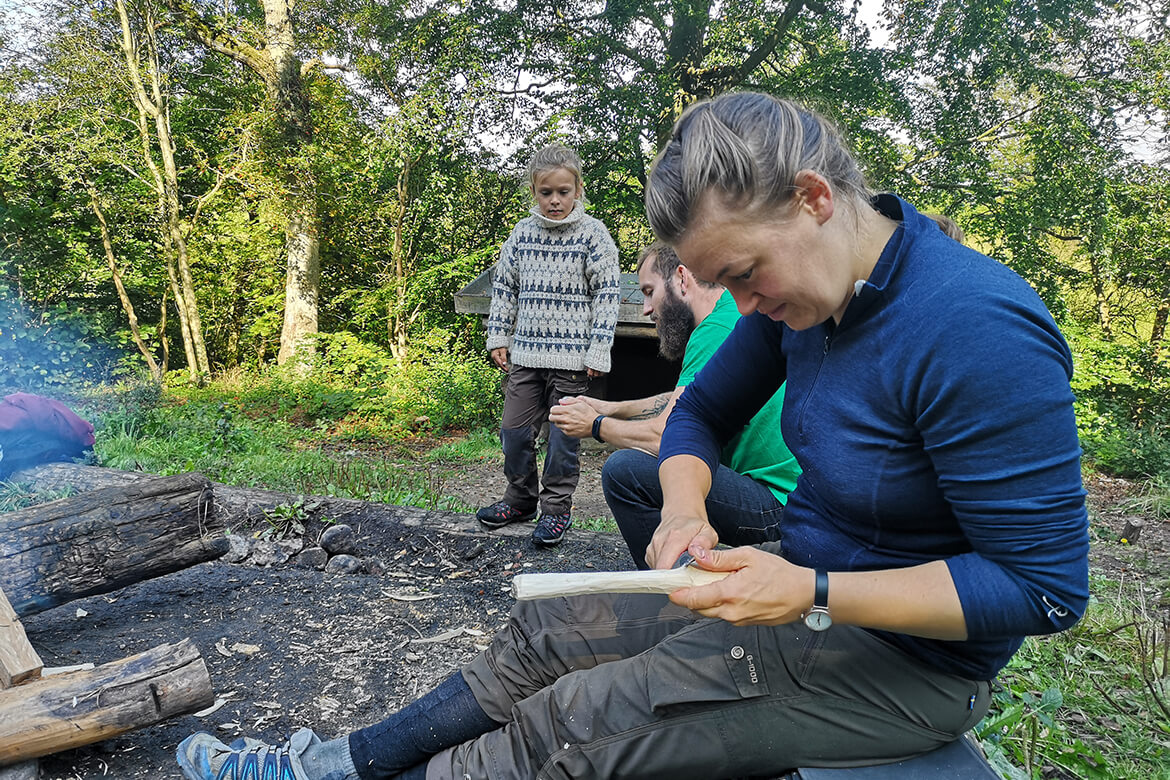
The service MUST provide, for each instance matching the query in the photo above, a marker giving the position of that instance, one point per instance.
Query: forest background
(221, 218)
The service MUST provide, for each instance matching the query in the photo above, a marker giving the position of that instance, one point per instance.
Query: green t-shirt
(758, 451)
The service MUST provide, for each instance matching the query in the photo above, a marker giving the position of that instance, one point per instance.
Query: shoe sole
(550, 542)
(502, 523)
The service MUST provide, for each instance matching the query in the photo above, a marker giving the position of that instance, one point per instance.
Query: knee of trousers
(519, 447)
(631, 477)
(562, 453)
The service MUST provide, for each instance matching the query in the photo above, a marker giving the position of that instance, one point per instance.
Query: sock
(323, 760)
(449, 715)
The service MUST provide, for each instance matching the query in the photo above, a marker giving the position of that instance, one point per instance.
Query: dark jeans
(529, 393)
(741, 510)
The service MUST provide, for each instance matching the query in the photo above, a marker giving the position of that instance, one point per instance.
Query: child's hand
(500, 358)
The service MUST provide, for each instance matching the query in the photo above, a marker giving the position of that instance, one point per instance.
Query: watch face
(818, 620)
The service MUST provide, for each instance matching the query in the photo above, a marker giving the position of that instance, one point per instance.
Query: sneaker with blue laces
(203, 757)
(551, 529)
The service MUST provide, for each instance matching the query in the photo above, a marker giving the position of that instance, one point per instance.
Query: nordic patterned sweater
(555, 293)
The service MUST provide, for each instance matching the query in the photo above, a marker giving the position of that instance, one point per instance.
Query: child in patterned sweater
(550, 328)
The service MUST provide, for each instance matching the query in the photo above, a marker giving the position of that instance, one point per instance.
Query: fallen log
(242, 507)
(106, 539)
(20, 664)
(69, 710)
(18, 660)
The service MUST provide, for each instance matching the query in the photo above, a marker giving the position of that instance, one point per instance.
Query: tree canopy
(231, 176)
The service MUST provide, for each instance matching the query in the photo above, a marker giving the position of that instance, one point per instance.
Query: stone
(311, 558)
(291, 546)
(339, 540)
(268, 553)
(344, 564)
(238, 548)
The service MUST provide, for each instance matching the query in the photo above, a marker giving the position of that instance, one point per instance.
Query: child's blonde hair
(552, 157)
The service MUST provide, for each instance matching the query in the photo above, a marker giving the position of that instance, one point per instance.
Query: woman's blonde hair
(552, 157)
(748, 148)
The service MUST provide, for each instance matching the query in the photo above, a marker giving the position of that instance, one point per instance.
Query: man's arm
(634, 424)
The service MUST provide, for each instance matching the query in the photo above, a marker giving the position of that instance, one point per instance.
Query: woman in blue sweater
(939, 519)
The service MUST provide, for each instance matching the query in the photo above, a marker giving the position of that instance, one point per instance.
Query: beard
(675, 324)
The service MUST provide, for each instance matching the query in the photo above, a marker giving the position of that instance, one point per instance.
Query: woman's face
(785, 265)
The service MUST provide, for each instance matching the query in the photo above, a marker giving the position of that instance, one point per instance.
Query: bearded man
(756, 472)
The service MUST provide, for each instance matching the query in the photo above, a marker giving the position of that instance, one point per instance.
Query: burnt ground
(287, 647)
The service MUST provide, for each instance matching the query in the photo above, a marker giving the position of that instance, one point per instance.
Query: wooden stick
(545, 586)
(66, 711)
(18, 660)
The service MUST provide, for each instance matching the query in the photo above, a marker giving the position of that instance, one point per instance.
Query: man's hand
(575, 415)
(764, 589)
(500, 358)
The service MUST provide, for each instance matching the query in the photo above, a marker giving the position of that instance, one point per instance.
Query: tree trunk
(127, 305)
(279, 68)
(287, 99)
(153, 104)
(301, 286)
(103, 540)
(1104, 315)
(79, 708)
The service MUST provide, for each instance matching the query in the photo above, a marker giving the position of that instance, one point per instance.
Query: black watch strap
(821, 593)
(597, 428)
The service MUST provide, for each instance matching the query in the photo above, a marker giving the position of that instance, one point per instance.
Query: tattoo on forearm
(654, 407)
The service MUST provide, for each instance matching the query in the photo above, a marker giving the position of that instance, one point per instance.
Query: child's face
(555, 191)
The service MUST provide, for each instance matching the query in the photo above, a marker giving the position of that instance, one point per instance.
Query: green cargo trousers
(632, 686)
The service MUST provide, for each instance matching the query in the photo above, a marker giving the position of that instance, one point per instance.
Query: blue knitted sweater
(935, 421)
(555, 293)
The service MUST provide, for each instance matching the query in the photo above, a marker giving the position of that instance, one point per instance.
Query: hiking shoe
(203, 757)
(501, 513)
(551, 529)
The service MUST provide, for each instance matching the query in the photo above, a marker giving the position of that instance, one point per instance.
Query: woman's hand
(594, 373)
(500, 358)
(764, 589)
(677, 535)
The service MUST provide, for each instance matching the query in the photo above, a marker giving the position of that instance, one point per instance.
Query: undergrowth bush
(1122, 404)
(49, 351)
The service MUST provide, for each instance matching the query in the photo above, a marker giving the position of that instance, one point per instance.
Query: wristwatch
(597, 428)
(817, 616)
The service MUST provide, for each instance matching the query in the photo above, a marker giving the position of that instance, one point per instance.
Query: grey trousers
(529, 393)
(632, 686)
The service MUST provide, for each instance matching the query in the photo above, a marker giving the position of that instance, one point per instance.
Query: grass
(1091, 702)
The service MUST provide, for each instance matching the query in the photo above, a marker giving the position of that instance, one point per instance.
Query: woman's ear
(815, 194)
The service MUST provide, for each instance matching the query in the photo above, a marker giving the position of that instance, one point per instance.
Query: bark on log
(69, 710)
(106, 539)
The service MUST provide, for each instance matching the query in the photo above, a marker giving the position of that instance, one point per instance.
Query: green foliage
(284, 521)
(1123, 404)
(59, 349)
(1091, 700)
(442, 387)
